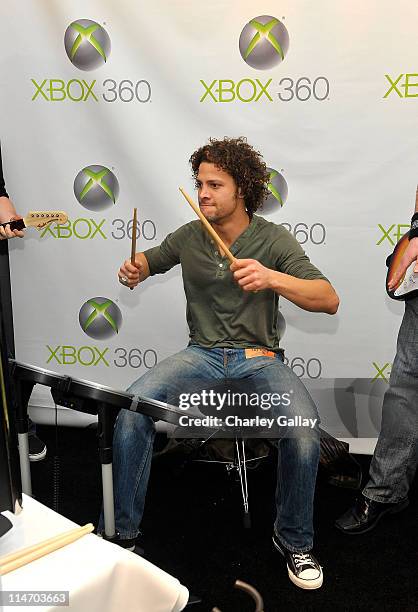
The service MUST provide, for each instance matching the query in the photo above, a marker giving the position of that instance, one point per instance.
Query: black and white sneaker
(127, 544)
(304, 570)
(37, 448)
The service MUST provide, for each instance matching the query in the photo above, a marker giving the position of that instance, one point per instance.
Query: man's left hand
(251, 275)
(410, 255)
(6, 232)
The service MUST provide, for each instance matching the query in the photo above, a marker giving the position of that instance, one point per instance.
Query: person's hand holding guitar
(13, 226)
(410, 255)
(5, 231)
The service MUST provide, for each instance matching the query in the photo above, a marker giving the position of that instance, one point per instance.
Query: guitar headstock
(41, 218)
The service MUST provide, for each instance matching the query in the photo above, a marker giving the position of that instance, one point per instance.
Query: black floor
(193, 530)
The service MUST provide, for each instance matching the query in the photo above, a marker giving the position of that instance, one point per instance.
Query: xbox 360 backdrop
(101, 106)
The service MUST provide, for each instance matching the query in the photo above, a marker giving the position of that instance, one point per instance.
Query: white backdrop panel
(349, 158)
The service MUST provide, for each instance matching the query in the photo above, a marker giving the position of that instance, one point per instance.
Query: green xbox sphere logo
(87, 44)
(100, 318)
(278, 189)
(96, 187)
(264, 42)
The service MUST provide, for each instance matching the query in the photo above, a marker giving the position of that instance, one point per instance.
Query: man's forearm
(313, 295)
(7, 209)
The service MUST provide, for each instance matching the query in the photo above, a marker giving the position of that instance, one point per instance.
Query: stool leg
(242, 470)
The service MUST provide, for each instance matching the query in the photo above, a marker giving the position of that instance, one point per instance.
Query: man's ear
(240, 193)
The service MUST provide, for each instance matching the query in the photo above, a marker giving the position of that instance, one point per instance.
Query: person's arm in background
(7, 211)
(411, 252)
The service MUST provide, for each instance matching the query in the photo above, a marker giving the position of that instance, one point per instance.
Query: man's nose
(203, 192)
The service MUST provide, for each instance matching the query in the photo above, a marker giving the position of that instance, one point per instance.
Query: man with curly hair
(232, 317)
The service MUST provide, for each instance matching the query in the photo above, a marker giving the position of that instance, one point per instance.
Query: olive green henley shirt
(219, 313)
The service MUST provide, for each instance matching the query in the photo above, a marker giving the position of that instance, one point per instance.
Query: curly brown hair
(246, 166)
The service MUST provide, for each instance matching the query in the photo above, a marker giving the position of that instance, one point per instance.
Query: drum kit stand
(83, 396)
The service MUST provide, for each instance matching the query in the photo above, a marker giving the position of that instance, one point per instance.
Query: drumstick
(15, 560)
(133, 244)
(208, 227)
(25, 551)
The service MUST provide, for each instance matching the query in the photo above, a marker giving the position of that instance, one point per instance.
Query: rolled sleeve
(293, 260)
(167, 255)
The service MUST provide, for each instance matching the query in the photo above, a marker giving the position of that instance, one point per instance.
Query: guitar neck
(37, 219)
(18, 224)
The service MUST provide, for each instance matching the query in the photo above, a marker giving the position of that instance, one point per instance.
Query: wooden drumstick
(133, 244)
(208, 227)
(13, 561)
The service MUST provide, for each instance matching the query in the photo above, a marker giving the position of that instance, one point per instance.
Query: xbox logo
(100, 318)
(278, 192)
(264, 42)
(96, 187)
(87, 44)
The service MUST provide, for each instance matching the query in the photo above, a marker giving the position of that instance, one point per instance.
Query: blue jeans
(395, 458)
(298, 456)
